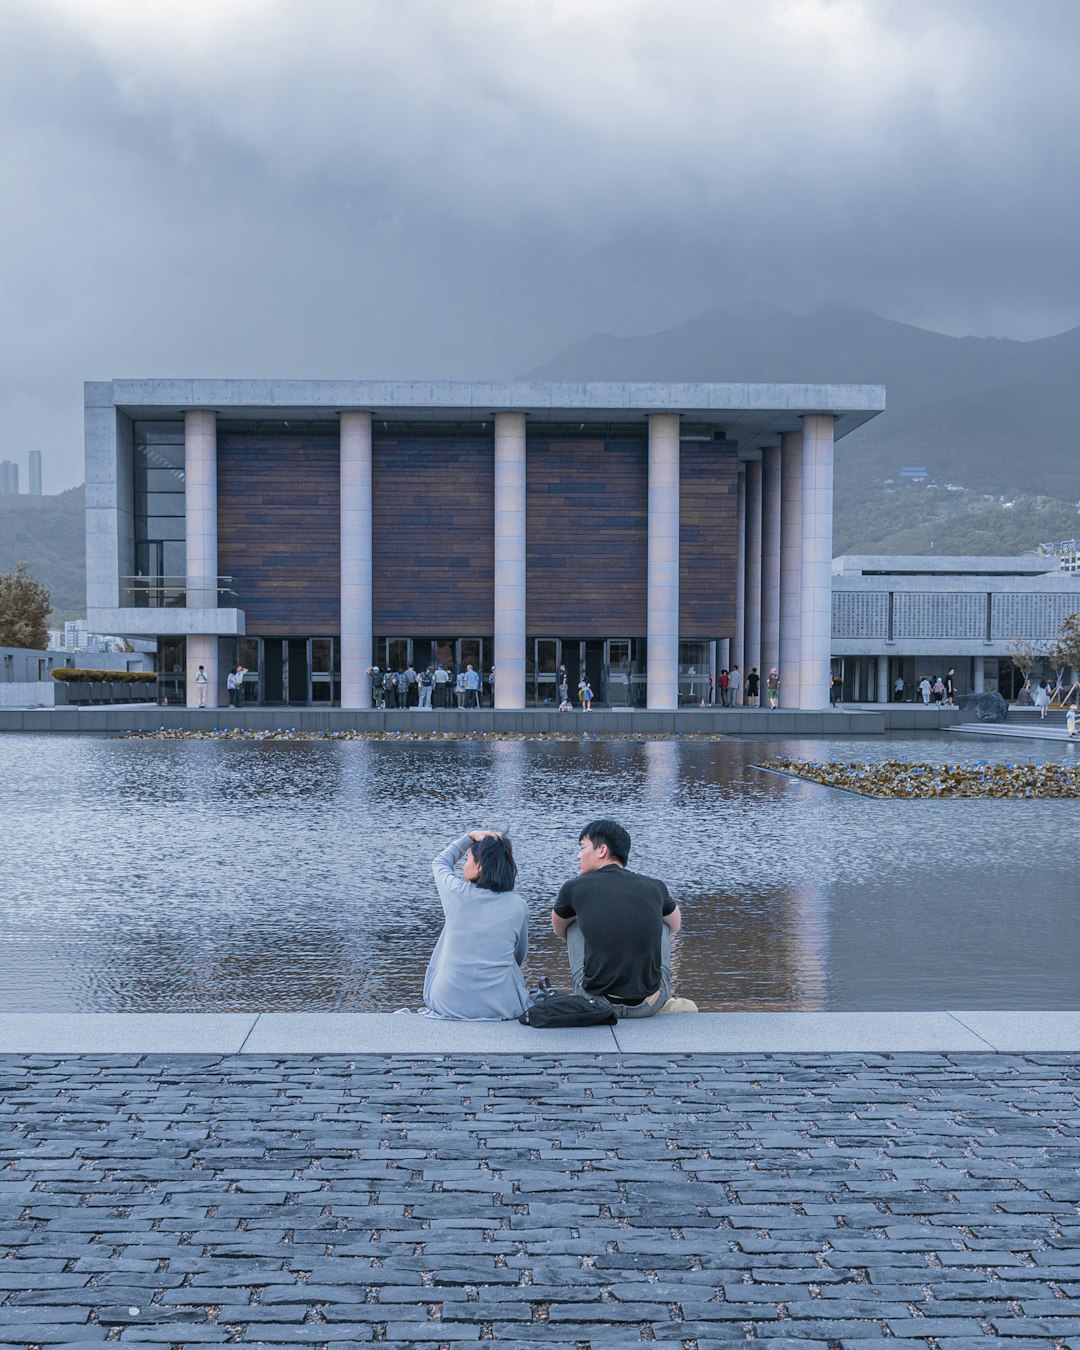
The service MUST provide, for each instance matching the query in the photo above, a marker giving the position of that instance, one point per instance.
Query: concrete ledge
(410, 1034)
(870, 720)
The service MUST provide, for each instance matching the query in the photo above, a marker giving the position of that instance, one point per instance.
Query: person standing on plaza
(201, 681)
(1042, 698)
(410, 685)
(898, 689)
(617, 925)
(441, 684)
(586, 696)
(772, 687)
(459, 689)
(925, 690)
(562, 684)
(734, 680)
(722, 681)
(753, 684)
(424, 681)
(836, 688)
(376, 686)
(472, 687)
(401, 680)
(491, 685)
(389, 688)
(950, 686)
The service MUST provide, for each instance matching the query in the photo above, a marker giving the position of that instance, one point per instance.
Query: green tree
(24, 609)
(1064, 650)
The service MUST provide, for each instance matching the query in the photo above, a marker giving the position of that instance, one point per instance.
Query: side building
(906, 617)
(642, 535)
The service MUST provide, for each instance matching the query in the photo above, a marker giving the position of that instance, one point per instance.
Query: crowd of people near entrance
(617, 926)
(437, 686)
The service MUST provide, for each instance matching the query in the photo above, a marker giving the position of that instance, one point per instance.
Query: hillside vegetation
(49, 533)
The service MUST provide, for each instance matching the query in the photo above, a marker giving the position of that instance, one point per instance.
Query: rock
(985, 707)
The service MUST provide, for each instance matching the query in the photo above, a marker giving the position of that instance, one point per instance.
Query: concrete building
(641, 534)
(912, 616)
(33, 460)
(9, 478)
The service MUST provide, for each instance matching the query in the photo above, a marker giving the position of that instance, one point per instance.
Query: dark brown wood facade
(708, 522)
(432, 544)
(433, 548)
(279, 529)
(587, 515)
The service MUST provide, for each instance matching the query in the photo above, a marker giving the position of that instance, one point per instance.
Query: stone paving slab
(782, 1031)
(1025, 1030)
(573, 1200)
(394, 1033)
(118, 1033)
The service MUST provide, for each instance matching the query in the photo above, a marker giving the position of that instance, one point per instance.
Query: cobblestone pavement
(586, 1201)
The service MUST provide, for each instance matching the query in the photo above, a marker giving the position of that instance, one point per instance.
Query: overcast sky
(456, 188)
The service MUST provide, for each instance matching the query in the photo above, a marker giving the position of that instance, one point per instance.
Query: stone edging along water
(273, 1033)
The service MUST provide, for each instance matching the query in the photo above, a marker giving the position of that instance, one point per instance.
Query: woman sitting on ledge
(475, 969)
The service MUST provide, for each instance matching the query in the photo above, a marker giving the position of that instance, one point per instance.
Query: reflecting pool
(194, 876)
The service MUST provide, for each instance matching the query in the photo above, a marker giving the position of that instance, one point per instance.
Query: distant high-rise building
(34, 461)
(9, 478)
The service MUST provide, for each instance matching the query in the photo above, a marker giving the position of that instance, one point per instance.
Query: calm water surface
(183, 876)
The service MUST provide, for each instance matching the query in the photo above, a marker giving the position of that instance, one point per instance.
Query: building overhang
(749, 415)
(149, 622)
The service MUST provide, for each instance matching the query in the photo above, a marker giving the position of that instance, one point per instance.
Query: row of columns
(783, 611)
(783, 593)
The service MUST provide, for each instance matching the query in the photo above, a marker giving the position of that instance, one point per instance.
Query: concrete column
(883, 679)
(355, 508)
(200, 507)
(738, 645)
(752, 611)
(816, 603)
(510, 560)
(202, 650)
(770, 560)
(791, 450)
(663, 561)
(978, 674)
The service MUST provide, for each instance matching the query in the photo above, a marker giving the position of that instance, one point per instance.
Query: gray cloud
(352, 187)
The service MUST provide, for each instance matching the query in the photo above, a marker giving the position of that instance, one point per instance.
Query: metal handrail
(171, 592)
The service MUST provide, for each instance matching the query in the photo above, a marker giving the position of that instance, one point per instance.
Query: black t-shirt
(621, 915)
(752, 682)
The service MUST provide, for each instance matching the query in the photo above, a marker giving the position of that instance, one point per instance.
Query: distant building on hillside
(906, 617)
(34, 464)
(1066, 551)
(9, 478)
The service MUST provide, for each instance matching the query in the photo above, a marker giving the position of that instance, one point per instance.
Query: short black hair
(495, 858)
(608, 832)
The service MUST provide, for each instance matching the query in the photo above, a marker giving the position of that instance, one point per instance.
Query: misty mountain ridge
(994, 414)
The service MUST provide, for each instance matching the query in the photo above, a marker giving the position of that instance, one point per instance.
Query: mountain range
(992, 420)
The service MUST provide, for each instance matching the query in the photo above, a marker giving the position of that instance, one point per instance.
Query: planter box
(93, 693)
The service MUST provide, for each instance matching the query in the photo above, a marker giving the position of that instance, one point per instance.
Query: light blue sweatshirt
(475, 969)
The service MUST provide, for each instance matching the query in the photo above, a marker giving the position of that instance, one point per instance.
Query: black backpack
(569, 1010)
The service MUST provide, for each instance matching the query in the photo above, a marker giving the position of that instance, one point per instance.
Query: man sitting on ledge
(618, 926)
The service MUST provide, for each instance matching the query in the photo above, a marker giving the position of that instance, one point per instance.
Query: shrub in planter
(70, 675)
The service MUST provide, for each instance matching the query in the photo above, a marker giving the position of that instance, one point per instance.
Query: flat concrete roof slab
(411, 1033)
(124, 1033)
(764, 1033)
(1025, 1031)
